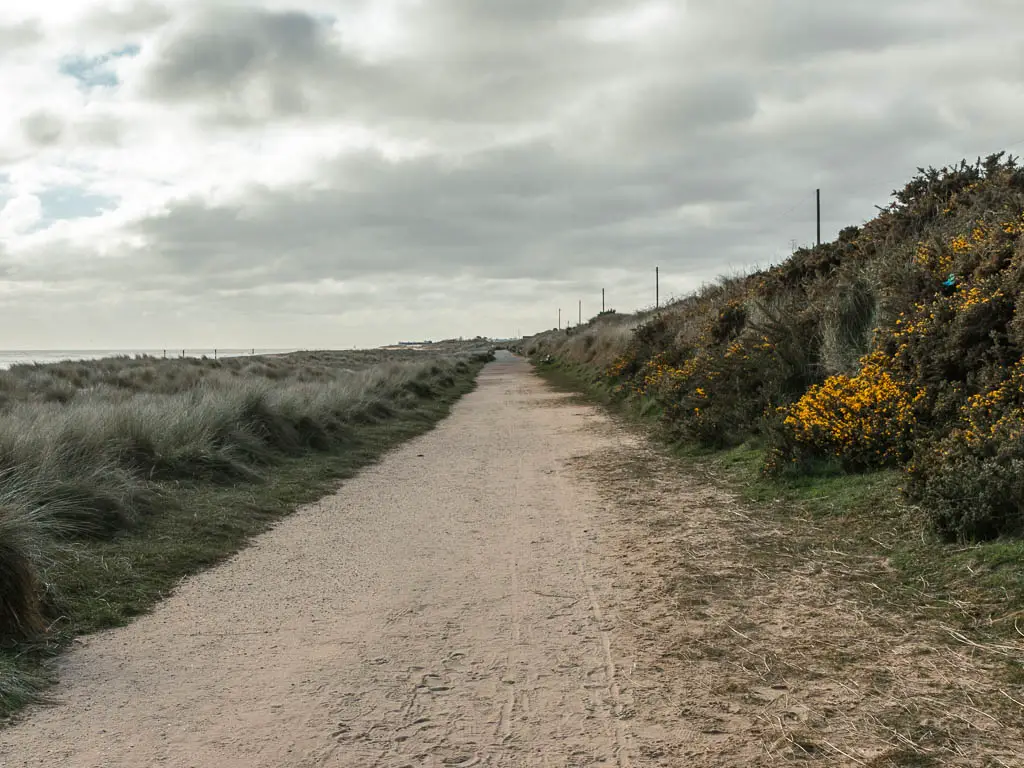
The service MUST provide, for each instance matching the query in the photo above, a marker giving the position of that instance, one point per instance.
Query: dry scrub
(900, 344)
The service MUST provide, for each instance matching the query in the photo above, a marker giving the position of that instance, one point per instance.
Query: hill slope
(898, 345)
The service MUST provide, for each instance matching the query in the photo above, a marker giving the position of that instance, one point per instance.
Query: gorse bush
(972, 478)
(973, 488)
(898, 344)
(866, 420)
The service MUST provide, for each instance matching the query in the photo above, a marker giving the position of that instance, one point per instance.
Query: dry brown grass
(784, 640)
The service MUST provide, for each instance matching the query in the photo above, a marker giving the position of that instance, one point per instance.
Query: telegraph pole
(818, 197)
(657, 301)
(602, 299)
(559, 318)
(579, 320)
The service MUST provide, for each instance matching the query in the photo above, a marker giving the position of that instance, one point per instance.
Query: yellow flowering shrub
(865, 420)
(1014, 226)
(657, 375)
(620, 366)
(996, 411)
(936, 263)
(971, 480)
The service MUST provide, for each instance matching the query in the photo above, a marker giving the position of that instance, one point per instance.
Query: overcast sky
(330, 173)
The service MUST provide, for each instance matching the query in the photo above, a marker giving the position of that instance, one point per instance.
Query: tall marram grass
(105, 455)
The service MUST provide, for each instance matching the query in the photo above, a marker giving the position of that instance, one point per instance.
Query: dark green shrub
(971, 492)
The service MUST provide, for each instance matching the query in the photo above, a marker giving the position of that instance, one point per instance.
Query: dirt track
(527, 585)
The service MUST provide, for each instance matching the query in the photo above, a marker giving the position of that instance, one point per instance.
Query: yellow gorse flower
(938, 264)
(960, 244)
(868, 415)
(994, 413)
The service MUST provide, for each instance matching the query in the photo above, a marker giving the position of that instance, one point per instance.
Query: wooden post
(818, 196)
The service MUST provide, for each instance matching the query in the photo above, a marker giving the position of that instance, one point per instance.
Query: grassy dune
(120, 476)
(876, 382)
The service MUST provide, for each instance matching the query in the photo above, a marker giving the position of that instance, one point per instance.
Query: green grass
(96, 577)
(977, 587)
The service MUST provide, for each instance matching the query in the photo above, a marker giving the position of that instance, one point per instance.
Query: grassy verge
(83, 579)
(975, 588)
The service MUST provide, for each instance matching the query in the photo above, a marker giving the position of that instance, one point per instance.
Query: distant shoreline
(11, 357)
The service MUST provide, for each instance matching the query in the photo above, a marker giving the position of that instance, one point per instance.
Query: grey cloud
(490, 34)
(524, 63)
(222, 52)
(668, 112)
(22, 35)
(43, 128)
(698, 151)
(100, 130)
(466, 65)
(793, 32)
(514, 212)
(135, 19)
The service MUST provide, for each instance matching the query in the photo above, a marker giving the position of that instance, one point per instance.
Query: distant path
(441, 609)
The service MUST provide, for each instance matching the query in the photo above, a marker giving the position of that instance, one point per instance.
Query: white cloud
(19, 215)
(318, 172)
(643, 22)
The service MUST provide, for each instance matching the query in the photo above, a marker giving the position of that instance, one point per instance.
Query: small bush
(865, 420)
(30, 532)
(971, 497)
(971, 480)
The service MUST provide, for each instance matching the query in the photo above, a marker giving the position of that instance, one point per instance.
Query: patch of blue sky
(64, 203)
(95, 71)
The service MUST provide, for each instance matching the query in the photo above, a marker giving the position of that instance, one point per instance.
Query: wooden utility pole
(818, 197)
(602, 299)
(559, 318)
(657, 299)
(579, 319)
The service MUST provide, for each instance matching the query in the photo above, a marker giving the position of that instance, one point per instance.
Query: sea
(11, 357)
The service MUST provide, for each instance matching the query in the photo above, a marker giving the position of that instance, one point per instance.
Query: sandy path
(441, 609)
